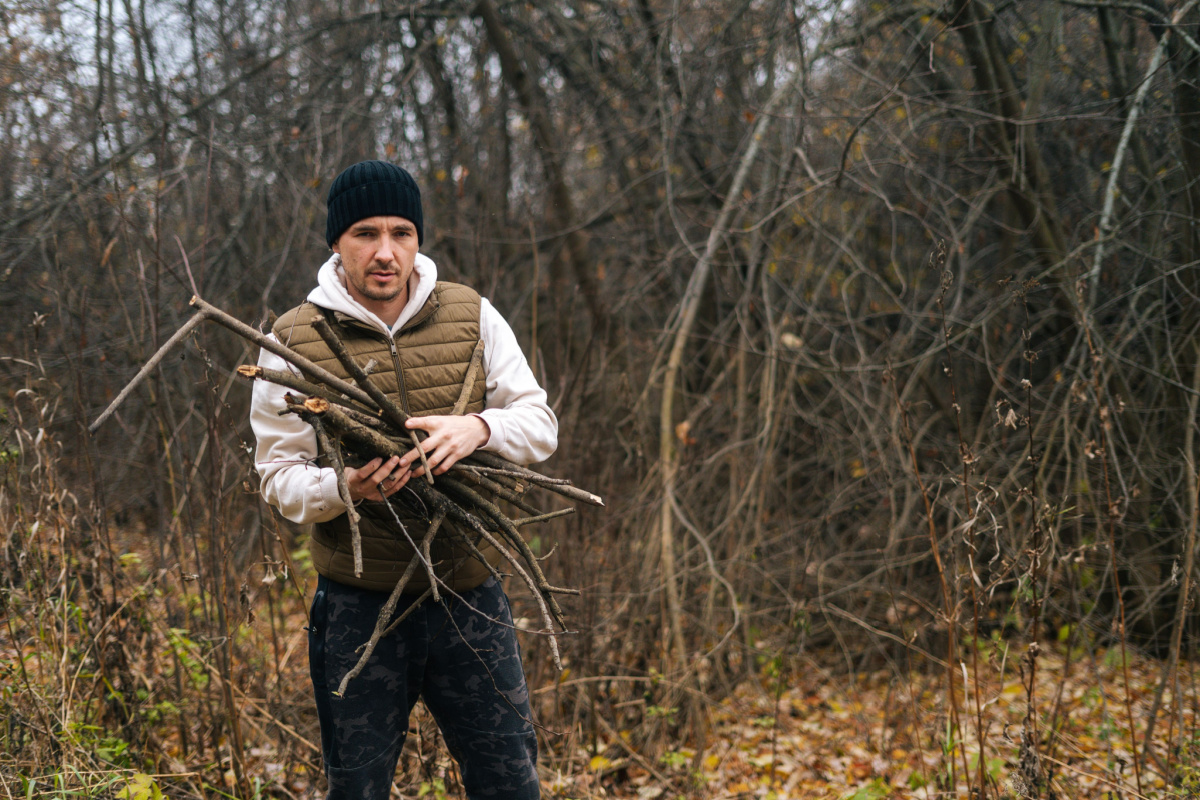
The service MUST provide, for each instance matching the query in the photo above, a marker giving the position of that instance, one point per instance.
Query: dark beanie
(372, 189)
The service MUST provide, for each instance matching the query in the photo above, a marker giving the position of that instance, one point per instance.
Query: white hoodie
(523, 428)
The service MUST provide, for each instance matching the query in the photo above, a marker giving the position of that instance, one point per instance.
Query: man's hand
(450, 440)
(365, 482)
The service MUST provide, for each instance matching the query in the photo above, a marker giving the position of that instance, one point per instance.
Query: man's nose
(387, 249)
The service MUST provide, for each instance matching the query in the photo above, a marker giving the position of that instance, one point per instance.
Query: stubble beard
(376, 293)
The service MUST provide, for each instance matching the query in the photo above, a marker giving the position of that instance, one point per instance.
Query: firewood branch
(358, 420)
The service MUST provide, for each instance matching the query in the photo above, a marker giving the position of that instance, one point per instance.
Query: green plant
(140, 787)
(877, 789)
(1185, 777)
(994, 766)
(435, 789)
(183, 647)
(664, 712)
(92, 738)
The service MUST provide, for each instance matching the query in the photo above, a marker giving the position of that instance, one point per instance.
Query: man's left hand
(450, 440)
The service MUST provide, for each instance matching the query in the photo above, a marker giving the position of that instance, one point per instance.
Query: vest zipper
(399, 375)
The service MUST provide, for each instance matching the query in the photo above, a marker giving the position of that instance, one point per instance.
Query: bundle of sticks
(356, 422)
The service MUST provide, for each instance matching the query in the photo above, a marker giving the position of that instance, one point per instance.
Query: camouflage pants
(465, 667)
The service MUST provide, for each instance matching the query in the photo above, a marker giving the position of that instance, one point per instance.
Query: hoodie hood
(331, 293)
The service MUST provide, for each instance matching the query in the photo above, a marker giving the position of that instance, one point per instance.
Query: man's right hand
(364, 482)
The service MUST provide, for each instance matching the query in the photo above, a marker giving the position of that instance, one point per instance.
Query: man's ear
(335, 248)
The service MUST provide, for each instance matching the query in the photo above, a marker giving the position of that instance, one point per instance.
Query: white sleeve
(285, 455)
(523, 428)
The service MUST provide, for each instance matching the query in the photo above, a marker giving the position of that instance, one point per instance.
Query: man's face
(378, 254)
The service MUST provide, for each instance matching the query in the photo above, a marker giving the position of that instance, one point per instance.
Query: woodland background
(874, 323)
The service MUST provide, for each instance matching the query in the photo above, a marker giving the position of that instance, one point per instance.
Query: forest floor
(819, 735)
(803, 727)
(874, 736)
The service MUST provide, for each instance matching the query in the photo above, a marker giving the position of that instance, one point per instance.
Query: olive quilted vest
(422, 369)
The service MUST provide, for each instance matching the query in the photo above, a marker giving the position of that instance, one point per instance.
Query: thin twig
(550, 484)
(314, 371)
(506, 526)
(539, 597)
(468, 386)
(543, 517)
(148, 367)
(382, 627)
(512, 495)
(421, 551)
(1171, 668)
(948, 607)
(1114, 174)
(541, 480)
(334, 453)
(293, 381)
(1112, 511)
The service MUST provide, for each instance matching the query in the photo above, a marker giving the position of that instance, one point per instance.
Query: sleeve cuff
(329, 501)
(495, 434)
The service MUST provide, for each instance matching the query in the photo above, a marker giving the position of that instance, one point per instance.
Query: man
(415, 336)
